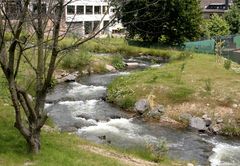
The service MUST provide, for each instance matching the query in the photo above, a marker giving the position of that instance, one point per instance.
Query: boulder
(71, 77)
(198, 123)
(185, 116)
(132, 65)
(141, 106)
(216, 128)
(67, 77)
(110, 68)
(156, 112)
(207, 120)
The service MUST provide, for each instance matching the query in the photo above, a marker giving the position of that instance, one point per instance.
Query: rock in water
(142, 106)
(198, 123)
(110, 68)
(156, 112)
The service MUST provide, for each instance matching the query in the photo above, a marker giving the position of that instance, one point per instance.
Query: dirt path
(128, 160)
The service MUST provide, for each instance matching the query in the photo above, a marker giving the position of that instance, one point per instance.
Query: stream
(79, 107)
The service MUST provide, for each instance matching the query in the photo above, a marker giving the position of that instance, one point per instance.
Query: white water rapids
(80, 106)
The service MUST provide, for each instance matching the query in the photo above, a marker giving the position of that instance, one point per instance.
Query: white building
(84, 16)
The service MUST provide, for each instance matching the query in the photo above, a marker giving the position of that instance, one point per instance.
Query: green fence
(204, 46)
(231, 48)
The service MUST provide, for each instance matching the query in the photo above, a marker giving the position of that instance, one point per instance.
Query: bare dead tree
(29, 112)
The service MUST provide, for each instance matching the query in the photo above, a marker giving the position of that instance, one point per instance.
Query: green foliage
(233, 17)
(8, 36)
(127, 102)
(159, 151)
(117, 62)
(227, 64)
(66, 42)
(217, 26)
(77, 60)
(171, 22)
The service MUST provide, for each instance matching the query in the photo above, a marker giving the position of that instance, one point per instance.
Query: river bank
(80, 108)
(194, 87)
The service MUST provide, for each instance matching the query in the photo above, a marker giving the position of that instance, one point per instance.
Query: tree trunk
(34, 142)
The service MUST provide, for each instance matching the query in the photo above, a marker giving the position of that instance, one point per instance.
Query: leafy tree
(174, 21)
(41, 50)
(217, 26)
(233, 17)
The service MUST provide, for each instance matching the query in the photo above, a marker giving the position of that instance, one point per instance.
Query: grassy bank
(196, 85)
(85, 60)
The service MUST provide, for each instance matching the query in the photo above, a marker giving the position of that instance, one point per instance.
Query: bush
(66, 42)
(227, 64)
(217, 26)
(127, 102)
(77, 60)
(159, 151)
(8, 36)
(117, 62)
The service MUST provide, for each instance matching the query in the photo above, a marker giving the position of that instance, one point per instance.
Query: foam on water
(84, 89)
(225, 155)
(70, 103)
(47, 105)
(118, 130)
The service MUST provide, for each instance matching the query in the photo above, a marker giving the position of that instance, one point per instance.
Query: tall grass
(77, 60)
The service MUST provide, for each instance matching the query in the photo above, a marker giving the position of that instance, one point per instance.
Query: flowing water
(80, 107)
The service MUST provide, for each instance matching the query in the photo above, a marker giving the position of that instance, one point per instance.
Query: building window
(105, 9)
(88, 27)
(70, 9)
(43, 8)
(80, 9)
(12, 10)
(96, 25)
(89, 9)
(97, 9)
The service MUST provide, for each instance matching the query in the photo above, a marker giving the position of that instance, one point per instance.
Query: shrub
(117, 62)
(66, 42)
(127, 102)
(159, 151)
(227, 64)
(77, 60)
